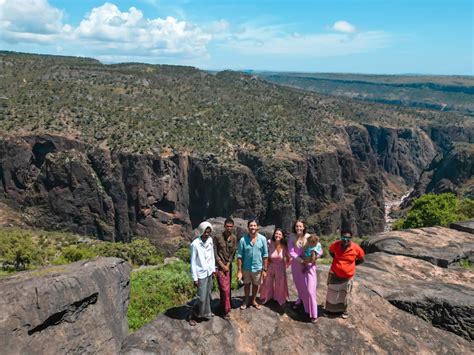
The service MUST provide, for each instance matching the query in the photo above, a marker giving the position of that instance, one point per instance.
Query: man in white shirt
(203, 266)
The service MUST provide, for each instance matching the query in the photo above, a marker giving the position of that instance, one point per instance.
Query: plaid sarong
(339, 290)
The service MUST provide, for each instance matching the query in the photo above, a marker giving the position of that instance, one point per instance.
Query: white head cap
(203, 226)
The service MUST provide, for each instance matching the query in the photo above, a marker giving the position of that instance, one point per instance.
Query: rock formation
(63, 183)
(440, 246)
(397, 306)
(451, 172)
(400, 304)
(67, 309)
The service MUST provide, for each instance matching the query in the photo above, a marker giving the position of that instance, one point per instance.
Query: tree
(17, 250)
(436, 210)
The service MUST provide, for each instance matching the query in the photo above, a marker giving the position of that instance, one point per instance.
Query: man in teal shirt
(252, 262)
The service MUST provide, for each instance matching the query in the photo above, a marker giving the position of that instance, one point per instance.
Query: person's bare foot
(256, 305)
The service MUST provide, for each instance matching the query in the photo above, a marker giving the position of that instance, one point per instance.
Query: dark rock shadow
(275, 307)
(182, 312)
(299, 314)
(179, 313)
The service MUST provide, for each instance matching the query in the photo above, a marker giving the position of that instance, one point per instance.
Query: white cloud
(274, 40)
(110, 30)
(30, 21)
(104, 31)
(112, 35)
(343, 26)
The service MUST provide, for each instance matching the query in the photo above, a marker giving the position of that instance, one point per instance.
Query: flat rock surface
(375, 326)
(467, 226)
(437, 245)
(66, 309)
(443, 297)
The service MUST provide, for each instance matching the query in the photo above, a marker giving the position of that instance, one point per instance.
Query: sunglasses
(345, 239)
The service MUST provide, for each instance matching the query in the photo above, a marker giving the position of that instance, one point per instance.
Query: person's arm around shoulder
(287, 257)
(264, 256)
(240, 252)
(291, 250)
(213, 257)
(269, 243)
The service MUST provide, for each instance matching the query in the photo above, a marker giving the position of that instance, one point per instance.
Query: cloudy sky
(363, 36)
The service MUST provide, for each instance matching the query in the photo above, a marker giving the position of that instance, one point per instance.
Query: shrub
(155, 290)
(184, 254)
(17, 250)
(75, 253)
(436, 210)
(142, 252)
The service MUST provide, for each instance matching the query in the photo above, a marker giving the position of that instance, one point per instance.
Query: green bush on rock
(17, 250)
(436, 210)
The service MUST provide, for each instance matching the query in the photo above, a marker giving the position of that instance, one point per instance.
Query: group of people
(262, 266)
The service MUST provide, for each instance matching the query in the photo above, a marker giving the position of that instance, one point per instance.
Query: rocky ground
(412, 295)
(399, 304)
(79, 308)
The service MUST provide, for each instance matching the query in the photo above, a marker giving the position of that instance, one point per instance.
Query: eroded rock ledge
(398, 305)
(76, 308)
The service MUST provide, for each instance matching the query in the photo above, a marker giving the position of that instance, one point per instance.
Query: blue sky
(372, 36)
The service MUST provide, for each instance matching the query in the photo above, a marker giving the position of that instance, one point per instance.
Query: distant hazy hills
(144, 108)
(445, 93)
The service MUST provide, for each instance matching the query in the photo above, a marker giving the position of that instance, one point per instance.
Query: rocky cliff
(134, 149)
(401, 303)
(71, 309)
(449, 172)
(410, 296)
(67, 184)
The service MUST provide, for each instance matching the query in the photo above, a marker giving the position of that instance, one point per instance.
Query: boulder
(76, 308)
(442, 297)
(467, 226)
(437, 245)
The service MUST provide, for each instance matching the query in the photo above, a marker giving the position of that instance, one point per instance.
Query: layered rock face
(70, 309)
(417, 270)
(452, 172)
(66, 184)
(397, 306)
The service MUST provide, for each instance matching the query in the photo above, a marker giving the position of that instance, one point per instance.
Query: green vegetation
(159, 109)
(436, 210)
(155, 290)
(23, 249)
(466, 264)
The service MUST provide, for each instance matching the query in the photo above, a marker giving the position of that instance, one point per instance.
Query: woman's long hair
(283, 241)
(294, 226)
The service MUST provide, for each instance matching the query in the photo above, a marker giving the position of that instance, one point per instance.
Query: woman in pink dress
(304, 274)
(275, 285)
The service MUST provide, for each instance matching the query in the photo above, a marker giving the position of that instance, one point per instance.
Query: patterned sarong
(337, 299)
(224, 284)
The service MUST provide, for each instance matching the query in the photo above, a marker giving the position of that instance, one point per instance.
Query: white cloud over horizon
(111, 34)
(31, 21)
